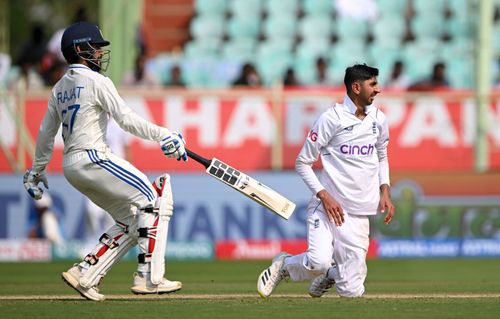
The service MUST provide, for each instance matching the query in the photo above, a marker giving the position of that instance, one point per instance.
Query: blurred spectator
(321, 70)
(140, 76)
(322, 76)
(398, 80)
(54, 63)
(30, 76)
(55, 72)
(248, 76)
(290, 79)
(175, 76)
(435, 81)
(43, 221)
(30, 58)
(33, 51)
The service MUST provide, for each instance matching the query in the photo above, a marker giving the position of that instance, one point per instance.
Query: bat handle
(200, 159)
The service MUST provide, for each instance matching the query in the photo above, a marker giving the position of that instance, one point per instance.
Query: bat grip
(200, 159)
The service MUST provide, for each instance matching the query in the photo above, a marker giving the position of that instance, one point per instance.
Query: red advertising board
(267, 249)
(260, 130)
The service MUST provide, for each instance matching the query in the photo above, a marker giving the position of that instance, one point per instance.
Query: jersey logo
(354, 149)
(374, 128)
(349, 128)
(313, 136)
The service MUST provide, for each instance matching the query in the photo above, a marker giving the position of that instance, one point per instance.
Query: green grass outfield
(456, 288)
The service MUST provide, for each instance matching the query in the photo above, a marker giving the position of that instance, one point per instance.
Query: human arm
(171, 143)
(385, 205)
(43, 153)
(318, 137)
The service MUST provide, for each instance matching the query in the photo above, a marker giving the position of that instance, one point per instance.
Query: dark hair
(358, 72)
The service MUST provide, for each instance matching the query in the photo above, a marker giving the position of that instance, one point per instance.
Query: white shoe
(72, 276)
(320, 285)
(272, 276)
(143, 285)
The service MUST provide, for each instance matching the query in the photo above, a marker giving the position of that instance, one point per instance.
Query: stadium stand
(276, 35)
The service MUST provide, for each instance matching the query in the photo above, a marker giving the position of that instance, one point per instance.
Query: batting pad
(112, 246)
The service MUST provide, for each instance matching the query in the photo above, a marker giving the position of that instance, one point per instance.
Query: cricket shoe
(72, 276)
(143, 285)
(272, 276)
(320, 285)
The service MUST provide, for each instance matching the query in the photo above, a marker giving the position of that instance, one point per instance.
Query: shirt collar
(350, 107)
(78, 66)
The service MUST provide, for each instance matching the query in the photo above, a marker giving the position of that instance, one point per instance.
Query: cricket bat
(246, 185)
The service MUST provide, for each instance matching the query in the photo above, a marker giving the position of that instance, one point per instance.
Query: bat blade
(251, 188)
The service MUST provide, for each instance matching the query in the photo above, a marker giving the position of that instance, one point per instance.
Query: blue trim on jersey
(81, 66)
(121, 173)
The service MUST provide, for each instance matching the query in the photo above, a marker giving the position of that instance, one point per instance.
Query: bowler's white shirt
(354, 157)
(80, 102)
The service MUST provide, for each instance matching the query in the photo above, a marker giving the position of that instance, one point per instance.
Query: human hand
(173, 145)
(332, 208)
(31, 179)
(386, 205)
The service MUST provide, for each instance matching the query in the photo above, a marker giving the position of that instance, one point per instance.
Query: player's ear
(356, 87)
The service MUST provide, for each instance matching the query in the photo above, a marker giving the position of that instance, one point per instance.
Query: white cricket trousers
(110, 182)
(343, 246)
(116, 186)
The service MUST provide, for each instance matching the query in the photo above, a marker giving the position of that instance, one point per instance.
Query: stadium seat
(317, 7)
(197, 71)
(243, 27)
(389, 29)
(272, 61)
(429, 26)
(202, 47)
(347, 29)
(383, 58)
(249, 8)
(285, 8)
(313, 48)
(460, 75)
(307, 52)
(207, 26)
(275, 27)
(459, 8)
(224, 72)
(457, 48)
(457, 28)
(392, 7)
(315, 27)
(160, 65)
(239, 49)
(344, 49)
(420, 60)
(425, 7)
(210, 7)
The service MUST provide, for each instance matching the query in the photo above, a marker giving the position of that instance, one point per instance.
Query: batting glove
(172, 145)
(31, 179)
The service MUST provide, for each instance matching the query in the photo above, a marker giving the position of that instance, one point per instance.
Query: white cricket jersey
(354, 157)
(81, 101)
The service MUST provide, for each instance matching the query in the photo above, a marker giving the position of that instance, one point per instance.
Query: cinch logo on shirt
(357, 149)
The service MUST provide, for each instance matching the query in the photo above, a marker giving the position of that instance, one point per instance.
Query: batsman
(81, 104)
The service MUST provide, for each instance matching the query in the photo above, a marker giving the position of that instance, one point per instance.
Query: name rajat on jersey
(68, 95)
